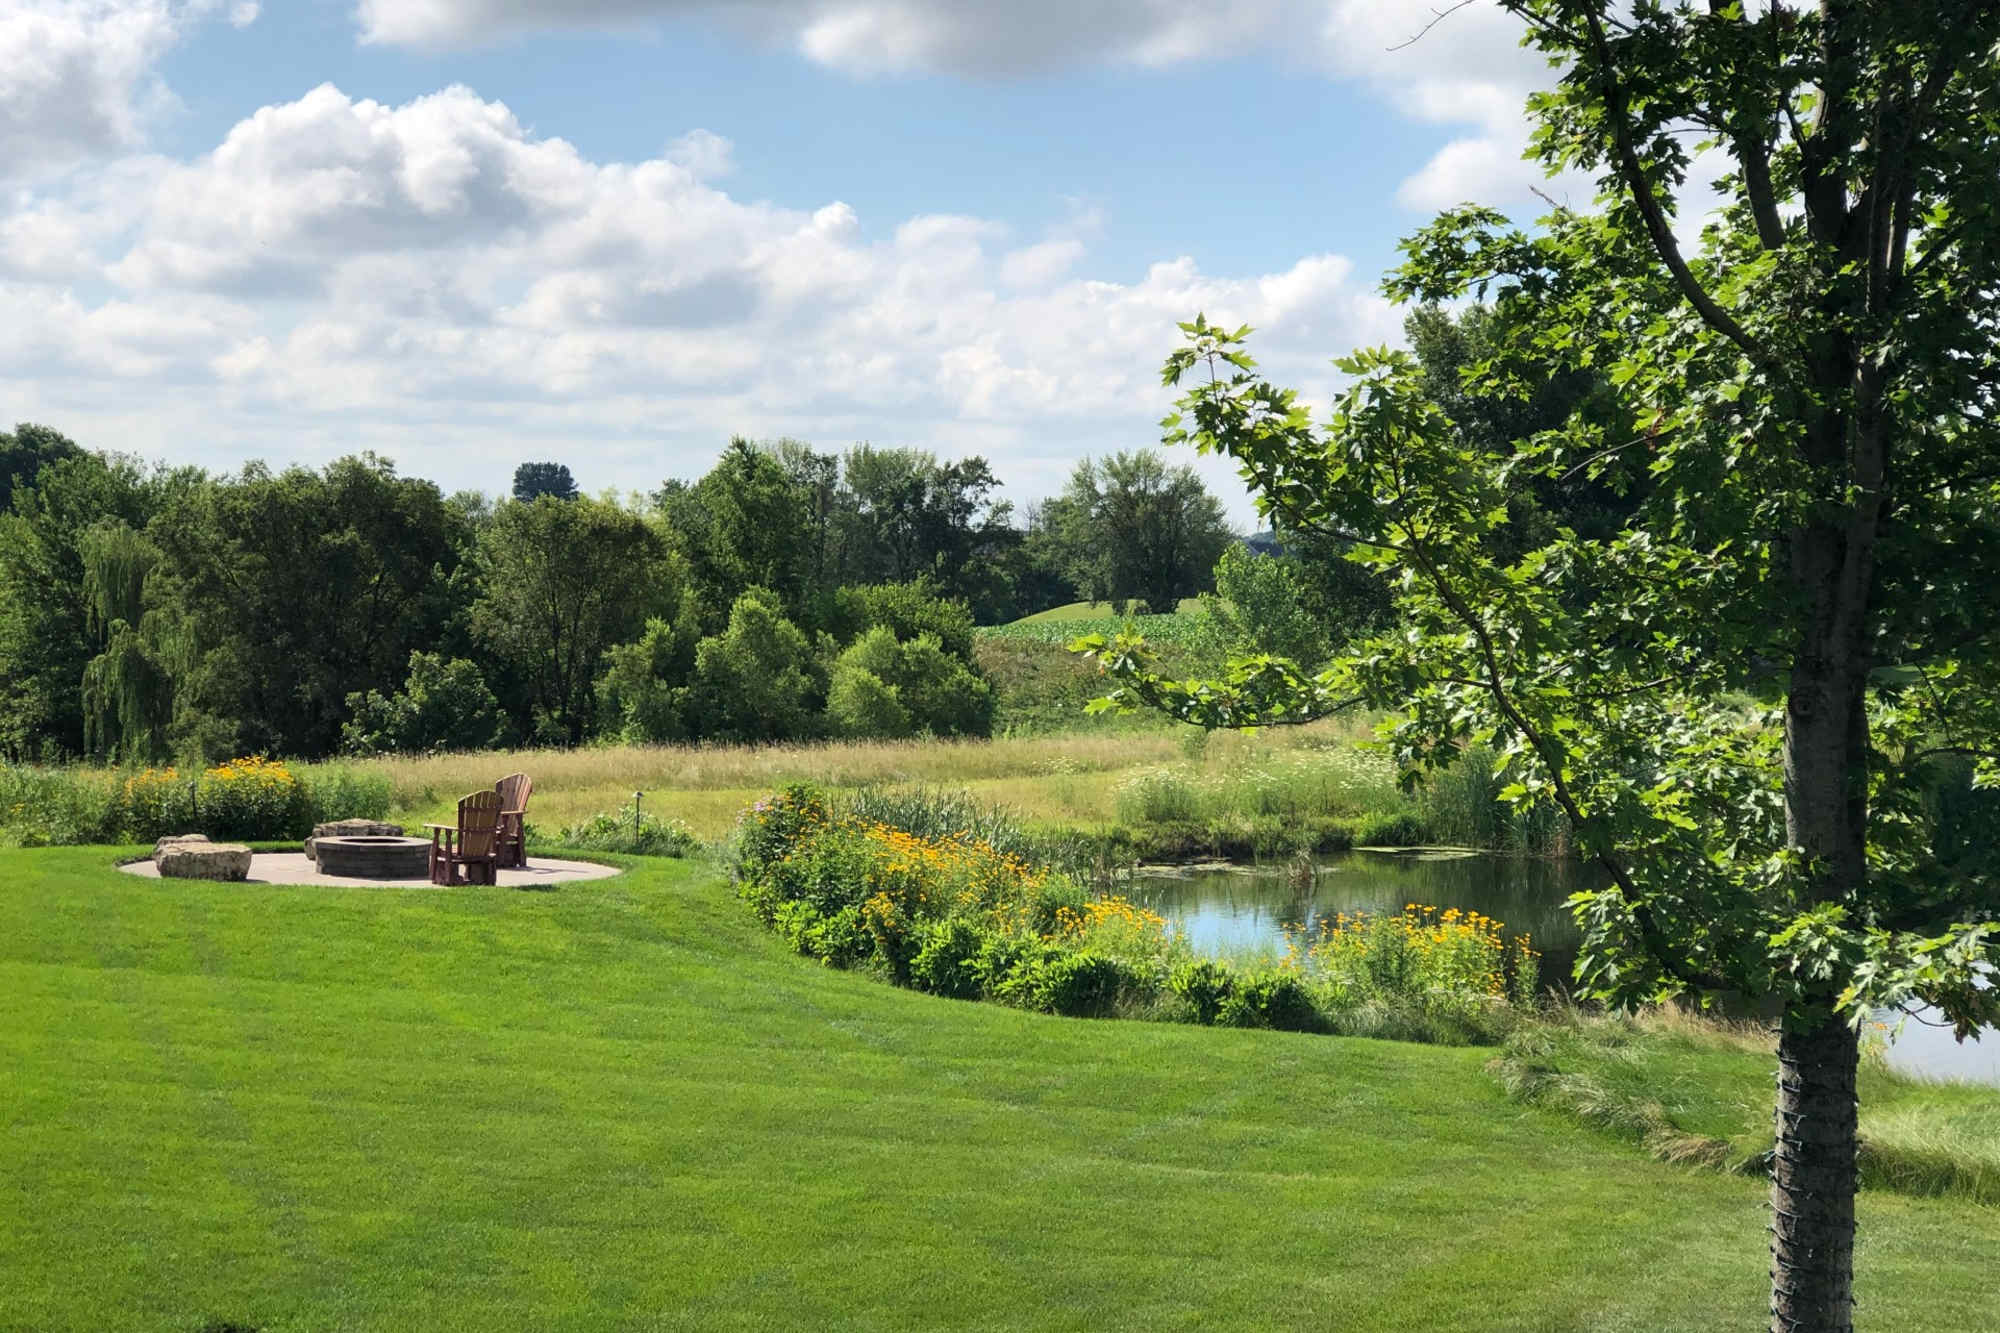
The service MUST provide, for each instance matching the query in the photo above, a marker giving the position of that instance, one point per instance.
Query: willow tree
(128, 688)
(1742, 695)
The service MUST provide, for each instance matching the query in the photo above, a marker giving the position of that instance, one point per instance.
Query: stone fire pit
(351, 828)
(365, 857)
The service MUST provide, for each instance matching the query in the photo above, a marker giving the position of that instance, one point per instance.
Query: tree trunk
(1813, 1180)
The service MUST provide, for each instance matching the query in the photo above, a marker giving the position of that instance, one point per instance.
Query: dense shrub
(1204, 985)
(886, 687)
(1075, 983)
(947, 959)
(907, 611)
(861, 705)
(759, 679)
(1270, 999)
(442, 706)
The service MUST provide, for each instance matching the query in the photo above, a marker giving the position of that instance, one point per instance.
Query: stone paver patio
(297, 869)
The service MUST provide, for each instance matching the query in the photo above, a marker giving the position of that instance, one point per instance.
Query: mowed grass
(621, 1105)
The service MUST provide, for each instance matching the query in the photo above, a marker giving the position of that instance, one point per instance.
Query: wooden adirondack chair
(473, 842)
(514, 790)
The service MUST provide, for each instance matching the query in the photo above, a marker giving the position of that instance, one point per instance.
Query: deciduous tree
(1811, 388)
(1130, 527)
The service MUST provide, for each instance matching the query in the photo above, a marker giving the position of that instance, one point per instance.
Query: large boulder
(178, 840)
(204, 860)
(350, 828)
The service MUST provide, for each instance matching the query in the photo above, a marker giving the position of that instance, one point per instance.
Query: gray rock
(204, 860)
(178, 840)
(350, 828)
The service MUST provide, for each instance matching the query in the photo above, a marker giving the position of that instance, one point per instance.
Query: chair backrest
(514, 791)
(478, 817)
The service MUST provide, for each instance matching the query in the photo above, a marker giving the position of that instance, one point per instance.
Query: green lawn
(623, 1106)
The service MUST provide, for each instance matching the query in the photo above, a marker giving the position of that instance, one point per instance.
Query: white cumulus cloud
(436, 281)
(1456, 67)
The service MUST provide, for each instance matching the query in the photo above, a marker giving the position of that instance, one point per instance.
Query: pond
(1245, 909)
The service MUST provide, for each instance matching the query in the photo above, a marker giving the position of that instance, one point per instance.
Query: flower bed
(949, 914)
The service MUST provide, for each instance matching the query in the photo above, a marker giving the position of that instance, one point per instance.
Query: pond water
(1245, 909)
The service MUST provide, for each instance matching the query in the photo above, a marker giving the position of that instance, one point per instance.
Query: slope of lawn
(622, 1106)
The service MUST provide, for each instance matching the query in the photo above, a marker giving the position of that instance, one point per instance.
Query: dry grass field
(1067, 778)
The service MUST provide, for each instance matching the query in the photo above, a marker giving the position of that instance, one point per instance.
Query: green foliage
(642, 696)
(279, 594)
(860, 703)
(1160, 796)
(1076, 984)
(947, 959)
(561, 582)
(633, 832)
(1204, 985)
(1394, 829)
(752, 522)
(252, 798)
(906, 517)
(242, 799)
(46, 636)
(906, 610)
(1269, 999)
(884, 688)
(1174, 628)
(25, 452)
(442, 706)
(759, 679)
(346, 791)
(52, 807)
(1129, 528)
(1263, 605)
(534, 480)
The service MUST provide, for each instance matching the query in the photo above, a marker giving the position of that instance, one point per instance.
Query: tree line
(153, 611)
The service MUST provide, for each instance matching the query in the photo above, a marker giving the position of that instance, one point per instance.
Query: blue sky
(467, 232)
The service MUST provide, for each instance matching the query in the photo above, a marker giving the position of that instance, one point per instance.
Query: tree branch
(1633, 171)
(1437, 16)
(1650, 934)
(1755, 156)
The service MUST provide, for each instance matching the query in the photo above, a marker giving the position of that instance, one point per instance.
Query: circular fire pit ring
(374, 858)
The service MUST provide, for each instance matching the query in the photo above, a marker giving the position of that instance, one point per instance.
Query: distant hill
(1085, 611)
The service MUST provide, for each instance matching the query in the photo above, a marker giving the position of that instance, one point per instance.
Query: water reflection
(1246, 909)
(1241, 909)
